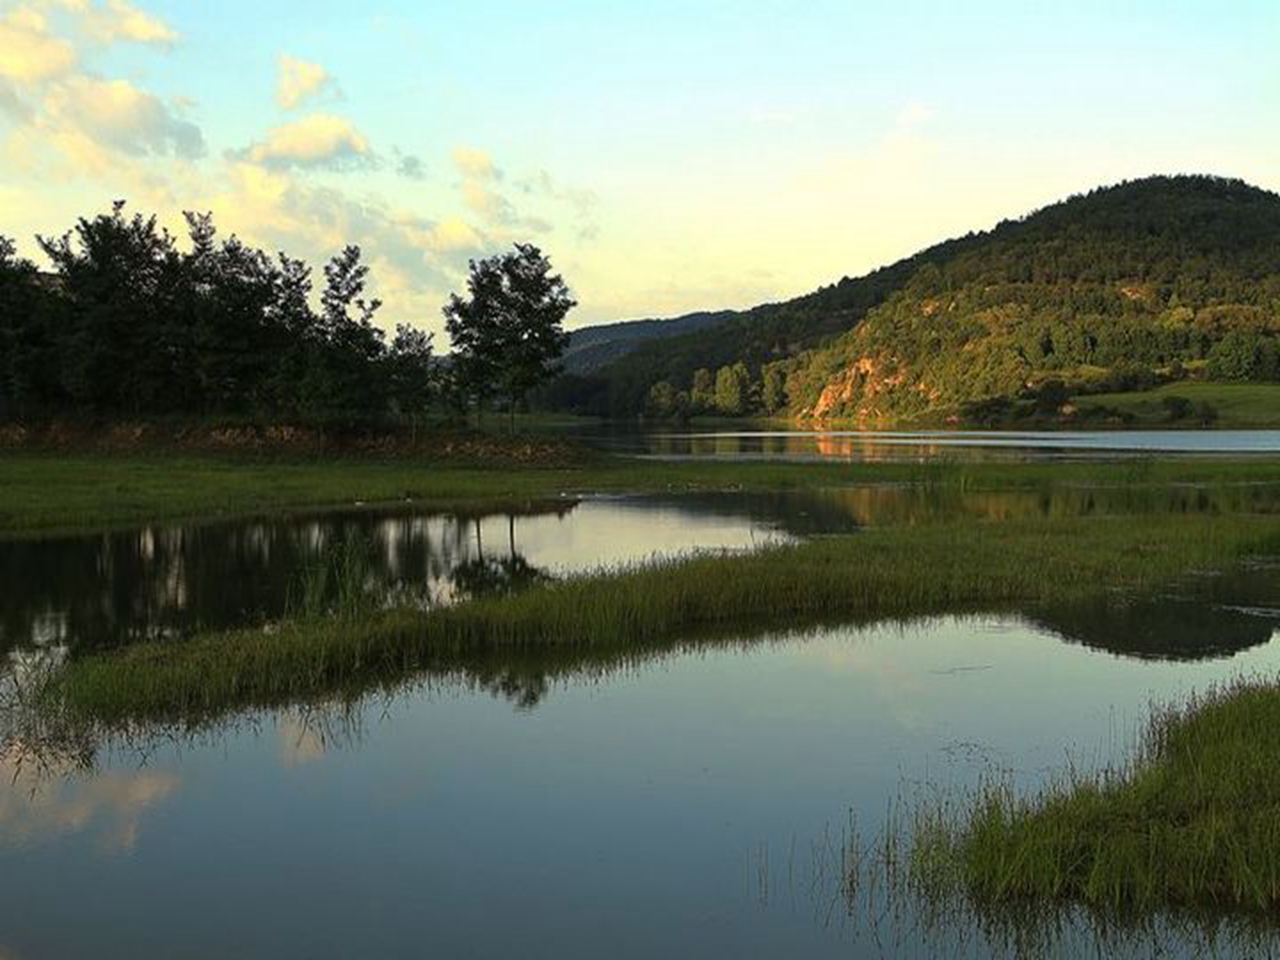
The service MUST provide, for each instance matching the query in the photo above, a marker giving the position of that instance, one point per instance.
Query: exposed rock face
(853, 393)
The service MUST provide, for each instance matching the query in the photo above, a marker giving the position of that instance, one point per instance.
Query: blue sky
(669, 156)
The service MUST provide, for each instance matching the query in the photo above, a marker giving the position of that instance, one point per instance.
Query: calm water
(873, 445)
(695, 805)
(692, 803)
(167, 580)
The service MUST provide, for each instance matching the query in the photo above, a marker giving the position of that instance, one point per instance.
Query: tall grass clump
(1192, 821)
(338, 585)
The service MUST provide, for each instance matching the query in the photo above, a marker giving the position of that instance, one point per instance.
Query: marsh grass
(338, 585)
(1191, 821)
(42, 493)
(885, 573)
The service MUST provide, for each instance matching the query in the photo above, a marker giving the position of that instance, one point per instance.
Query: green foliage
(733, 390)
(1190, 823)
(1116, 289)
(666, 402)
(507, 332)
(773, 388)
(702, 392)
(130, 324)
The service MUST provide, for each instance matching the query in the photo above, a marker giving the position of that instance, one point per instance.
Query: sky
(668, 156)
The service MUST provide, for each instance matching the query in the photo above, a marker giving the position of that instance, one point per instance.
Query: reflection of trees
(484, 576)
(161, 581)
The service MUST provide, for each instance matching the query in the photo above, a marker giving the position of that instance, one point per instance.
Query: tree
(1051, 396)
(1234, 357)
(410, 373)
(702, 395)
(28, 354)
(666, 402)
(118, 277)
(507, 332)
(773, 388)
(350, 346)
(733, 384)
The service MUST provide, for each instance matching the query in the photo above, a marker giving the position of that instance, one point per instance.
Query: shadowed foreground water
(708, 801)
(694, 805)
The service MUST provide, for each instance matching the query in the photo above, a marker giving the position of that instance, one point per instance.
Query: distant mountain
(591, 348)
(1156, 279)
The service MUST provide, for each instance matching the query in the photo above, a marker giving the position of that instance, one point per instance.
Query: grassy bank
(1193, 822)
(50, 492)
(1238, 405)
(948, 566)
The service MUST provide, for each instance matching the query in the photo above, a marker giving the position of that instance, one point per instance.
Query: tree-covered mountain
(1158, 279)
(594, 347)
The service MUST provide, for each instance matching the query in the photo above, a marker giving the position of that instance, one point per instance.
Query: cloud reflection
(42, 804)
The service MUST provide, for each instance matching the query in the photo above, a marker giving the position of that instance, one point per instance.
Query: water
(694, 805)
(167, 580)
(688, 803)
(880, 446)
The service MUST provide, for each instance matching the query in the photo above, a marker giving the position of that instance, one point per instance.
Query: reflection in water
(678, 799)
(869, 446)
(81, 592)
(639, 786)
(40, 802)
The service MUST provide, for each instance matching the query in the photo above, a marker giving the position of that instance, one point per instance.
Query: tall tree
(119, 277)
(410, 372)
(28, 350)
(507, 333)
(733, 389)
(343, 376)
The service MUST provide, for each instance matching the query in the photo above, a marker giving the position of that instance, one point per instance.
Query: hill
(1155, 280)
(591, 348)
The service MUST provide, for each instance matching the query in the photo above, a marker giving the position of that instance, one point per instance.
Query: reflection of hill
(1159, 629)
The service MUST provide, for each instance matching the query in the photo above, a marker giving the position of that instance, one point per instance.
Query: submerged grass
(1193, 822)
(951, 566)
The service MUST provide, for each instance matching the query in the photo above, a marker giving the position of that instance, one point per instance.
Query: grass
(937, 567)
(1193, 822)
(1239, 405)
(50, 493)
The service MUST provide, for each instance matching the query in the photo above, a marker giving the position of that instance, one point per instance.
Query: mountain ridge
(1145, 280)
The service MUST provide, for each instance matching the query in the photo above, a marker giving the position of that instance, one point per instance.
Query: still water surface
(888, 445)
(692, 803)
(695, 805)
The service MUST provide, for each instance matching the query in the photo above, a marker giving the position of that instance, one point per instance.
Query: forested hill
(1152, 280)
(591, 348)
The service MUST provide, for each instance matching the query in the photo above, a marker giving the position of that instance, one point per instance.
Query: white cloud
(119, 21)
(29, 51)
(475, 164)
(117, 114)
(299, 81)
(114, 803)
(318, 141)
(480, 193)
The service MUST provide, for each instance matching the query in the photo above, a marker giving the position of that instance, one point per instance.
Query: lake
(918, 445)
(699, 801)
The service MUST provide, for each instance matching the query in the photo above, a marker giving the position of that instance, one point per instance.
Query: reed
(1192, 821)
(891, 572)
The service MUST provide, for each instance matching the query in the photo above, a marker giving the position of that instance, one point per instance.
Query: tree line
(128, 323)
